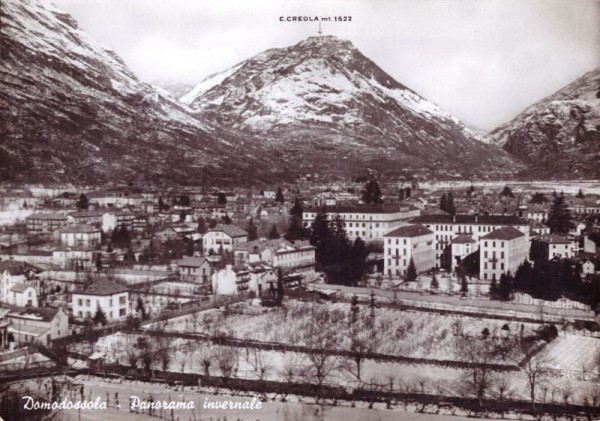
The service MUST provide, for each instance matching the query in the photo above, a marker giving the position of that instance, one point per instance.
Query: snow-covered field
(188, 356)
(574, 353)
(402, 333)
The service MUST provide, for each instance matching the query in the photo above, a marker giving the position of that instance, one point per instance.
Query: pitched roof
(504, 233)
(463, 239)
(470, 219)
(86, 214)
(101, 287)
(20, 287)
(190, 261)
(44, 313)
(553, 239)
(410, 231)
(15, 267)
(358, 208)
(230, 230)
(49, 216)
(79, 229)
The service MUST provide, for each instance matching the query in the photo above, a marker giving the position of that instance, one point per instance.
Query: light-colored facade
(369, 222)
(22, 295)
(45, 223)
(112, 298)
(80, 236)
(502, 251)
(405, 243)
(462, 246)
(223, 238)
(298, 256)
(447, 227)
(244, 278)
(15, 278)
(195, 269)
(38, 324)
(551, 246)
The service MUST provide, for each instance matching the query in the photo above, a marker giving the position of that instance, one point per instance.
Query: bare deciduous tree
(261, 362)
(534, 367)
(227, 360)
(480, 352)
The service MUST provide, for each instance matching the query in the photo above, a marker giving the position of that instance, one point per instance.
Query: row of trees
(342, 261)
(447, 203)
(548, 280)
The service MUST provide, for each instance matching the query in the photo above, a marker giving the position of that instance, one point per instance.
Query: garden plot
(399, 333)
(573, 353)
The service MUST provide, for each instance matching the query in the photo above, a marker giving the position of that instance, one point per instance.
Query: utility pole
(320, 31)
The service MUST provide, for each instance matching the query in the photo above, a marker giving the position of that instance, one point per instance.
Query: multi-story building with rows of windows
(447, 227)
(369, 222)
(502, 251)
(112, 298)
(405, 243)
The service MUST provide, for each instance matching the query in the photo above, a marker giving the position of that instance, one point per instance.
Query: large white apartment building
(408, 242)
(369, 222)
(502, 251)
(447, 227)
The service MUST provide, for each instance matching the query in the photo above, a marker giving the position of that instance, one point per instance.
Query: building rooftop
(358, 208)
(504, 233)
(47, 216)
(101, 287)
(470, 219)
(230, 230)
(463, 239)
(17, 268)
(87, 214)
(79, 229)
(34, 313)
(552, 239)
(20, 288)
(410, 231)
(189, 261)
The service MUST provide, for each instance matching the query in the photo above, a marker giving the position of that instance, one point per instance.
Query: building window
(122, 299)
(88, 303)
(122, 312)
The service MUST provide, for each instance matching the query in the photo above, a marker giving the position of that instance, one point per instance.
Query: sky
(483, 61)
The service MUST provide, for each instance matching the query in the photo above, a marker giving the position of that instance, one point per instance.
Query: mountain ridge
(325, 91)
(558, 135)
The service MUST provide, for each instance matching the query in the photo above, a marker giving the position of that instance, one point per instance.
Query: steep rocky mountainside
(322, 105)
(558, 136)
(73, 111)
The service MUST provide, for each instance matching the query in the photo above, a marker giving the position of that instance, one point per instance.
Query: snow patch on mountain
(208, 83)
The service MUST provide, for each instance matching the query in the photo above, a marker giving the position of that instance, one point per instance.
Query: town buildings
(447, 227)
(369, 222)
(223, 238)
(37, 324)
(502, 251)
(408, 242)
(112, 298)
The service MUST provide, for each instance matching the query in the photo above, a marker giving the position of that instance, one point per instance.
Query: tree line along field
(198, 356)
(398, 333)
(323, 327)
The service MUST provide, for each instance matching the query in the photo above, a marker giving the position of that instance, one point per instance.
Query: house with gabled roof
(109, 296)
(223, 238)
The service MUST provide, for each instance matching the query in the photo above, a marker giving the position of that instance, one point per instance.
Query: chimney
(453, 218)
